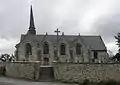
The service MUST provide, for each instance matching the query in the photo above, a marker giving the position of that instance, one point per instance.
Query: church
(59, 48)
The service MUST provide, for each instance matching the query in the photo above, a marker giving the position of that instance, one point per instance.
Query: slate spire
(31, 26)
(31, 19)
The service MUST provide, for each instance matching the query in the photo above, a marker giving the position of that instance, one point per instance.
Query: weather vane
(30, 2)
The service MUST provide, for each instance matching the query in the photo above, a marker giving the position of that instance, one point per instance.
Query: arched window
(45, 48)
(78, 48)
(95, 54)
(62, 49)
(28, 49)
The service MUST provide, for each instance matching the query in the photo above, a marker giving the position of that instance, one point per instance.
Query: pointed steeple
(31, 19)
(31, 26)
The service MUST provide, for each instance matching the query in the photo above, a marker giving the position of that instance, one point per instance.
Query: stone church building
(59, 48)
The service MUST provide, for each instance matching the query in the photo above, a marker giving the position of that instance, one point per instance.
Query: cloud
(7, 45)
(113, 47)
(71, 16)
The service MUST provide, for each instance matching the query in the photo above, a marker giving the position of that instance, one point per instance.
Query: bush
(86, 82)
(110, 82)
(102, 83)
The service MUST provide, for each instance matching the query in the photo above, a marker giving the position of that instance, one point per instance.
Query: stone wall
(78, 72)
(25, 70)
(2, 68)
(22, 49)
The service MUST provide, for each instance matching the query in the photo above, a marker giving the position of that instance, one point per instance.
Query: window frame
(45, 48)
(28, 49)
(62, 48)
(95, 54)
(78, 48)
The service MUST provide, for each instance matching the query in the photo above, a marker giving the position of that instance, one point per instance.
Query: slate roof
(94, 42)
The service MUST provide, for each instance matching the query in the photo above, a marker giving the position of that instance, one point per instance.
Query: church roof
(94, 42)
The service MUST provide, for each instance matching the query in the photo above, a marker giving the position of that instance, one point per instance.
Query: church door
(46, 61)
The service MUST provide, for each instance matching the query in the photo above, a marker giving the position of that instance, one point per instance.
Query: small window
(95, 55)
(28, 49)
(78, 49)
(45, 48)
(62, 49)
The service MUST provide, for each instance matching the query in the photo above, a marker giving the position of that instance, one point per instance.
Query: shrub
(112, 82)
(86, 82)
(109, 82)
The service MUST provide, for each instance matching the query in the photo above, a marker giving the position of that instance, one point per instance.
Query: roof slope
(94, 42)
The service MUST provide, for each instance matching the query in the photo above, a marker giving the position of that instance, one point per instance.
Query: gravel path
(11, 81)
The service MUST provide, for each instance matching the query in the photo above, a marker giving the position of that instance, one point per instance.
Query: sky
(87, 17)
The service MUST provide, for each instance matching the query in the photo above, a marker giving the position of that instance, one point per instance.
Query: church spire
(31, 19)
(31, 26)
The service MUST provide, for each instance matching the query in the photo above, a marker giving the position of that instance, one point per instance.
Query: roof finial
(79, 34)
(46, 33)
(30, 2)
(62, 33)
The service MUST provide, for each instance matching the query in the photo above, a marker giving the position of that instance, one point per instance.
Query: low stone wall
(78, 72)
(2, 68)
(25, 70)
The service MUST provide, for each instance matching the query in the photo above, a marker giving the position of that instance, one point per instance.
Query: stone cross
(57, 31)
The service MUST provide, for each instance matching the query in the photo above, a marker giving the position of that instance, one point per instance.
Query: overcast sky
(87, 17)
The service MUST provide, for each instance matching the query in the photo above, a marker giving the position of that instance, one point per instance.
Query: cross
(57, 31)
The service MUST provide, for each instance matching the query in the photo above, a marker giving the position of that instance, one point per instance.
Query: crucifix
(57, 31)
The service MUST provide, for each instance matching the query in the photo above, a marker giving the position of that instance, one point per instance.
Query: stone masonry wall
(25, 70)
(2, 68)
(78, 72)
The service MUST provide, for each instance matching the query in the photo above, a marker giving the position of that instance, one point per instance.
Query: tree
(117, 56)
(6, 57)
(118, 41)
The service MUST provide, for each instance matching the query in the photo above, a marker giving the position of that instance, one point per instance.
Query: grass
(109, 82)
